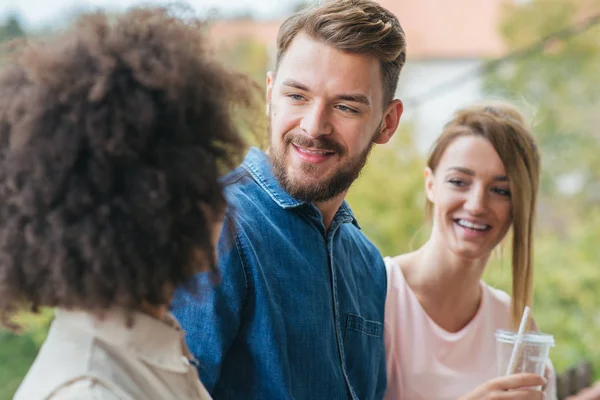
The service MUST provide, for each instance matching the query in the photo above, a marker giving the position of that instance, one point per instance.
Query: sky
(38, 13)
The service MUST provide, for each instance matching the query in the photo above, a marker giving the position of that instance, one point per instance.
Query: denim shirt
(298, 312)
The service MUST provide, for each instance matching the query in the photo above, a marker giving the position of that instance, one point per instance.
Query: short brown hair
(112, 138)
(354, 26)
(505, 128)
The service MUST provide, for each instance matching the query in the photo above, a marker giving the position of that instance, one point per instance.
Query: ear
(429, 184)
(391, 119)
(270, 83)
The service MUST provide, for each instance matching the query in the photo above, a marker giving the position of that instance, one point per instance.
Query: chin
(304, 179)
(470, 252)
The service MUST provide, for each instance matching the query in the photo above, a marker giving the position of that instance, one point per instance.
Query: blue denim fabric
(298, 313)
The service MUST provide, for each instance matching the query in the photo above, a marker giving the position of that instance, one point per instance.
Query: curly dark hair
(112, 138)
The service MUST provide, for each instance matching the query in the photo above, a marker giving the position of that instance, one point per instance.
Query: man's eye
(346, 109)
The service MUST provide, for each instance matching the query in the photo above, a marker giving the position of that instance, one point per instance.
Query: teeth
(316, 152)
(470, 225)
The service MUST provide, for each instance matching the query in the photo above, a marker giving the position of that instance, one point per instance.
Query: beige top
(85, 357)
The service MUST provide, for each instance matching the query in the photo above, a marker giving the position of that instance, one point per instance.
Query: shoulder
(64, 354)
(497, 297)
(78, 388)
(497, 306)
(86, 388)
(247, 199)
(234, 176)
(236, 183)
(395, 266)
(365, 245)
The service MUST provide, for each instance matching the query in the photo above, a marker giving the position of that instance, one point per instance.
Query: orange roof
(449, 28)
(226, 31)
(434, 28)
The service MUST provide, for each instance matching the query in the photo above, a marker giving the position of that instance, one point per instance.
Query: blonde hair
(505, 128)
(353, 26)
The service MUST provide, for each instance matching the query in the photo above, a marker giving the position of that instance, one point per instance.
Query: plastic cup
(533, 354)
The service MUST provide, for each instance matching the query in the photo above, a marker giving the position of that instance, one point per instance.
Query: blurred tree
(388, 197)
(11, 28)
(17, 352)
(301, 5)
(560, 83)
(250, 56)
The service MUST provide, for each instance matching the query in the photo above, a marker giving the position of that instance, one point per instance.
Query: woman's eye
(456, 182)
(502, 192)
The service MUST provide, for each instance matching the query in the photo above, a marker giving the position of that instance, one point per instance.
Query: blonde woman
(481, 181)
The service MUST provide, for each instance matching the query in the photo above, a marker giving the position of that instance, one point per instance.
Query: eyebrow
(295, 84)
(470, 172)
(355, 98)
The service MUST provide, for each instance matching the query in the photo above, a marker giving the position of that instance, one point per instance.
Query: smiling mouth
(314, 152)
(473, 226)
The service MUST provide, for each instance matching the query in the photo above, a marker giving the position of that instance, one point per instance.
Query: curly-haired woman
(112, 137)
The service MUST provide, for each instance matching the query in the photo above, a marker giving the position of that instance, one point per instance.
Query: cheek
(353, 135)
(446, 201)
(505, 215)
(283, 119)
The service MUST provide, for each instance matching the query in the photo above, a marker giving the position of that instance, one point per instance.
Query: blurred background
(543, 55)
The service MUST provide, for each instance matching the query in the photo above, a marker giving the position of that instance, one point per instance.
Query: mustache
(321, 143)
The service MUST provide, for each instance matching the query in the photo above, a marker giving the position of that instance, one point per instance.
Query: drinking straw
(518, 344)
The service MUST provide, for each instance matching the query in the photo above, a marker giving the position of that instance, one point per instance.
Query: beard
(328, 187)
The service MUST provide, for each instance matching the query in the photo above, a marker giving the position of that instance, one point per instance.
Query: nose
(316, 120)
(476, 203)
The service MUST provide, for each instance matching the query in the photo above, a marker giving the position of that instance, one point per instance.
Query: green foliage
(561, 84)
(388, 197)
(11, 29)
(17, 352)
(301, 5)
(250, 57)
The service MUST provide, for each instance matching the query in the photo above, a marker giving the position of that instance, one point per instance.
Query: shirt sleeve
(86, 388)
(212, 317)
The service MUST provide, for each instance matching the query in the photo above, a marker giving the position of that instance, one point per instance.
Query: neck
(447, 286)
(458, 274)
(157, 312)
(329, 208)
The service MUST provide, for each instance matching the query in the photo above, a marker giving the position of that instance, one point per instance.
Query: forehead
(325, 69)
(475, 153)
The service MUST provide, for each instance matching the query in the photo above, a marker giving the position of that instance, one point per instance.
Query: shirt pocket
(364, 353)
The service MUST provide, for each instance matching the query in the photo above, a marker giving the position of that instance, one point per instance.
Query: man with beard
(299, 309)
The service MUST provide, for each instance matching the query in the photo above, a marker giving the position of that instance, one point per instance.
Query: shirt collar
(157, 342)
(257, 163)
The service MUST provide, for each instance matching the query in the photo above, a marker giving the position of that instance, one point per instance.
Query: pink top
(426, 362)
